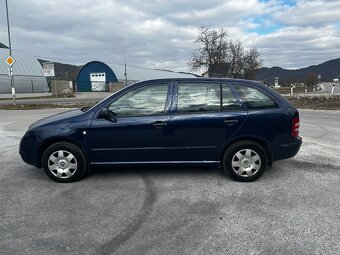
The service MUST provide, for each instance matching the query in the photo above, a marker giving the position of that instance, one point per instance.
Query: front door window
(147, 100)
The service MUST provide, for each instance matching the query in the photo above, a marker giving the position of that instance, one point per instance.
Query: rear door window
(205, 97)
(254, 98)
(198, 97)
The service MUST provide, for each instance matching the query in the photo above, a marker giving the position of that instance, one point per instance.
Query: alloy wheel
(62, 164)
(246, 162)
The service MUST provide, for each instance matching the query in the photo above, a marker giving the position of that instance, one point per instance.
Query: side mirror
(107, 114)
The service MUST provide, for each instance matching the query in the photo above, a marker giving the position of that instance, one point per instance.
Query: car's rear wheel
(64, 162)
(245, 161)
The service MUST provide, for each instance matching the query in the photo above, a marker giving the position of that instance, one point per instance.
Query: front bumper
(28, 149)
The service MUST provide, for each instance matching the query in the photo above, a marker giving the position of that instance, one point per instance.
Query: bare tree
(220, 57)
(212, 51)
(311, 80)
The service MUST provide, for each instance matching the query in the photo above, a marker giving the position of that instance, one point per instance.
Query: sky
(161, 33)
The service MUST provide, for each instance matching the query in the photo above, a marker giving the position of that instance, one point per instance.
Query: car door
(267, 120)
(137, 132)
(205, 115)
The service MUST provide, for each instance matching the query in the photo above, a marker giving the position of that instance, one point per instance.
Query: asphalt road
(293, 209)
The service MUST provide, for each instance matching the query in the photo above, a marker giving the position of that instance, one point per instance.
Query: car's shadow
(106, 171)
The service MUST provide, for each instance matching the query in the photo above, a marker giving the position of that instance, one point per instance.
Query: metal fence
(97, 86)
(23, 84)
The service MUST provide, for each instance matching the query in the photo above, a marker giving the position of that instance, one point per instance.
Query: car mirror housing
(107, 114)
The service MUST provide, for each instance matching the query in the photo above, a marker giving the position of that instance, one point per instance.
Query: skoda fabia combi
(239, 125)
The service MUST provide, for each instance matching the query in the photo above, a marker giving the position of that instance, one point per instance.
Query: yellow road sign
(10, 61)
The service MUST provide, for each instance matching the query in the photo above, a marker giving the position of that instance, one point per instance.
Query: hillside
(328, 70)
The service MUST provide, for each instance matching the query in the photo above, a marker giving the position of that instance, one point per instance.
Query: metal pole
(125, 73)
(10, 53)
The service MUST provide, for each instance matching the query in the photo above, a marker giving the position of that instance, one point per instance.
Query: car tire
(245, 161)
(64, 162)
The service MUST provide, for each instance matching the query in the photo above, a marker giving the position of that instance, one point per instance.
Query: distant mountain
(64, 71)
(328, 70)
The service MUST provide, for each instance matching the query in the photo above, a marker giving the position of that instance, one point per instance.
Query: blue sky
(161, 33)
(266, 23)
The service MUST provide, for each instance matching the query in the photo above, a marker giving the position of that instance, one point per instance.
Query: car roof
(201, 79)
(204, 79)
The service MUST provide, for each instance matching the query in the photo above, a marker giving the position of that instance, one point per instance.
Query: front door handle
(159, 124)
(230, 122)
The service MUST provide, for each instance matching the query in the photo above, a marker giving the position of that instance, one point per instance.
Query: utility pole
(125, 73)
(10, 55)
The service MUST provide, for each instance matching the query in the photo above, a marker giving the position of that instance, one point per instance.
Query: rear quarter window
(253, 98)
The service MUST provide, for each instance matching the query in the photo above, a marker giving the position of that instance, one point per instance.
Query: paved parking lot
(293, 209)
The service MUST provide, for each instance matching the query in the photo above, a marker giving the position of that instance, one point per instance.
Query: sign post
(10, 61)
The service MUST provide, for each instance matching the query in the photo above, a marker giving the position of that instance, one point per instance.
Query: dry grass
(41, 97)
(316, 102)
(42, 106)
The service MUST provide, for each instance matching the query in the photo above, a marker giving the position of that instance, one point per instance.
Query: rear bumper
(288, 150)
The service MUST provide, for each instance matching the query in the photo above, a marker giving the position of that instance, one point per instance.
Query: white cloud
(161, 33)
(295, 47)
(310, 13)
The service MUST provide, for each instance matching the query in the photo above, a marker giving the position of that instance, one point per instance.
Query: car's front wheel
(245, 161)
(64, 162)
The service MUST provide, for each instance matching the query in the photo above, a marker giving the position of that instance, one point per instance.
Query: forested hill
(328, 71)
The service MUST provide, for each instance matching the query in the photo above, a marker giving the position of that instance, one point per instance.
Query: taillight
(295, 127)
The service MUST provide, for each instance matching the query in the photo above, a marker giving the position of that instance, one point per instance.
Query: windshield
(86, 108)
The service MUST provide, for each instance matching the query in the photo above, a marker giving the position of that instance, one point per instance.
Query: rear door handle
(159, 124)
(230, 122)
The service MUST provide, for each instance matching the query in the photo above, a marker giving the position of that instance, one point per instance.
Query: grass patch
(41, 97)
(41, 106)
(316, 102)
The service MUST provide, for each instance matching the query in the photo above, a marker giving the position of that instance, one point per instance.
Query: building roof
(3, 46)
(25, 63)
(135, 73)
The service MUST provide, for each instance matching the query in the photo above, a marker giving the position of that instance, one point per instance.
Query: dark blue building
(95, 76)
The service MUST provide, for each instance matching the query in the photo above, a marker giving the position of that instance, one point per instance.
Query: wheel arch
(54, 140)
(257, 140)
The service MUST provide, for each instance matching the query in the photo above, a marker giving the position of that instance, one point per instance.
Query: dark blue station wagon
(240, 125)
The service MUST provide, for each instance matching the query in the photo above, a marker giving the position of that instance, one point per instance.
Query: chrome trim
(154, 148)
(155, 162)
